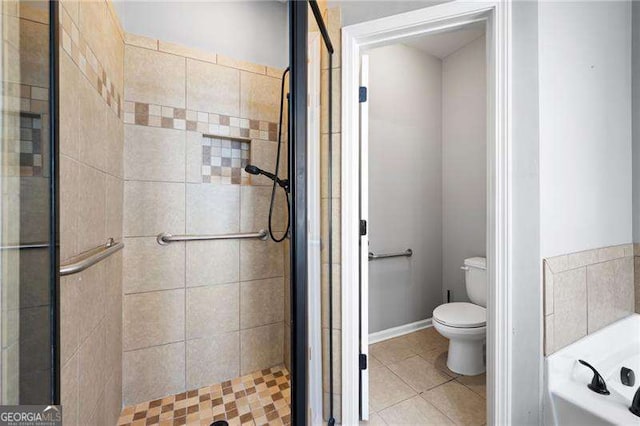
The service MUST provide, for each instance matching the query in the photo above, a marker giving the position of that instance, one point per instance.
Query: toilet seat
(460, 315)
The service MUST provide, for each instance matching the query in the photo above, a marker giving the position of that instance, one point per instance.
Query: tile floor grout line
(452, 377)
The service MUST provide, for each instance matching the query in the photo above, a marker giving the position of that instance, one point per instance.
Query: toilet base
(466, 357)
(466, 348)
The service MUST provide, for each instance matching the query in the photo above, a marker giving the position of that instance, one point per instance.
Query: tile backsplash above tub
(586, 291)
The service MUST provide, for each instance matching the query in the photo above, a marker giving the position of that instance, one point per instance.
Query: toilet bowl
(464, 324)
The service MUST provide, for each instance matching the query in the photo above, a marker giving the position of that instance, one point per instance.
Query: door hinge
(363, 227)
(362, 94)
(363, 362)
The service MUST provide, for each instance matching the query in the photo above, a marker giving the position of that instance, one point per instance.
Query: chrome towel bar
(406, 253)
(89, 258)
(165, 238)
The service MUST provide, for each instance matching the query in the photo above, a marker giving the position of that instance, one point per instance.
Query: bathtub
(568, 401)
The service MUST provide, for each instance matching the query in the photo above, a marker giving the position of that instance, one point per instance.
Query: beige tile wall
(91, 202)
(586, 291)
(24, 369)
(332, 17)
(10, 273)
(196, 313)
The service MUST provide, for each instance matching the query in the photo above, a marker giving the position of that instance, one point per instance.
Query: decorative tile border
(260, 398)
(169, 117)
(82, 55)
(223, 160)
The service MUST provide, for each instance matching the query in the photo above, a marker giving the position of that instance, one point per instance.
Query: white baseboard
(398, 331)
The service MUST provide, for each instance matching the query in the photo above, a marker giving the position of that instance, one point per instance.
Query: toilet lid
(460, 314)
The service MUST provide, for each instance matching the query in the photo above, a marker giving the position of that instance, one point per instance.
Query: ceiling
(445, 43)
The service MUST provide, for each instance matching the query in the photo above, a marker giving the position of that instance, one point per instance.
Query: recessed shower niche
(224, 160)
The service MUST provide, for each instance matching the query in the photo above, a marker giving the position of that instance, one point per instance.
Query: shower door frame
(298, 81)
(302, 379)
(355, 39)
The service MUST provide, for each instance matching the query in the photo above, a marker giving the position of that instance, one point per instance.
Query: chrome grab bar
(165, 238)
(89, 258)
(25, 246)
(406, 253)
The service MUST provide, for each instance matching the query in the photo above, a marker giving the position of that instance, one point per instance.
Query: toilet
(465, 324)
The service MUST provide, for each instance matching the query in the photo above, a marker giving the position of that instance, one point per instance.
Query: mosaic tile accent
(30, 145)
(144, 114)
(260, 398)
(25, 143)
(224, 160)
(82, 55)
(32, 99)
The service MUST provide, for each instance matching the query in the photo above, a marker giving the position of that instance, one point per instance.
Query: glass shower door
(26, 277)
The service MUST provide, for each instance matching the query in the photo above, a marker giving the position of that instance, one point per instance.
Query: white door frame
(379, 32)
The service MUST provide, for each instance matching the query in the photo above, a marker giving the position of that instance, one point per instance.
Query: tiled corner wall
(586, 291)
(198, 313)
(332, 17)
(91, 205)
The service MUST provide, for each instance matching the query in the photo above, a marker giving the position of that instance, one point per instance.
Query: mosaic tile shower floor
(260, 398)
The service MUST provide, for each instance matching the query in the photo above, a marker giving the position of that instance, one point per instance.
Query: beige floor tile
(386, 389)
(478, 383)
(392, 350)
(419, 374)
(438, 358)
(373, 362)
(426, 340)
(374, 420)
(414, 411)
(461, 404)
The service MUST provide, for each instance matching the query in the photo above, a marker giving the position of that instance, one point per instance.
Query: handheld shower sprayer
(253, 170)
(283, 183)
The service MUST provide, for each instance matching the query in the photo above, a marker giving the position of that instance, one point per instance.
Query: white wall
(404, 185)
(254, 31)
(636, 121)
(585, 125)
(526, 279)
(464, 159)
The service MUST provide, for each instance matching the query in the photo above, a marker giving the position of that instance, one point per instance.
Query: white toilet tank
(475, 278)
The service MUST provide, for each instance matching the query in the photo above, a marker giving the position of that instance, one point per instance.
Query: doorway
(357, 290)
(427, 213)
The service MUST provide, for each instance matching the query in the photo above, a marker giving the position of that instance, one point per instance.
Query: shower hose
(275, 182)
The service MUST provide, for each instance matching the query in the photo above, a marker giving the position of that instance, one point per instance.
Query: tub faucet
(635, 404)
(597, 383)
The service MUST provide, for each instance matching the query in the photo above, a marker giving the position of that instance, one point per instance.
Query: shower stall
(155, 260)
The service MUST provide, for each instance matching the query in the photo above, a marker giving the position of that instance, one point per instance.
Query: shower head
(254, 170)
